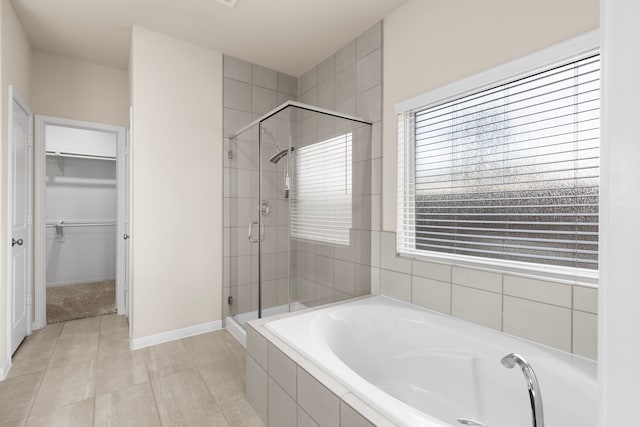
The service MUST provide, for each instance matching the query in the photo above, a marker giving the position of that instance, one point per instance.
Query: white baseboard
(174, 335)
(4, 369)
(237, 331)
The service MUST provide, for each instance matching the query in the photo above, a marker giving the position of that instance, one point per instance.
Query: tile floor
(82, 373)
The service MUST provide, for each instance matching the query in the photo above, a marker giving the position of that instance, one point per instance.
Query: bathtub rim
(341, 390)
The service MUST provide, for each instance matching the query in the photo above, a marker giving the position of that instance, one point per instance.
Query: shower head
(280, 155)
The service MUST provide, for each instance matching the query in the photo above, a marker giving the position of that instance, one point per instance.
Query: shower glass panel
(244, 224)
(330, 209)
(299, 205)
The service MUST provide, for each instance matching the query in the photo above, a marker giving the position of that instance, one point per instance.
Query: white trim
(14, 97)
(174, 335)
(4, 369)
(237, 331)
(130, 215)
(575, 47)
(40, 292)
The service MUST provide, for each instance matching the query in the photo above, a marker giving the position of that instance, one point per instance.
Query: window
(321, 197)
(507, 173)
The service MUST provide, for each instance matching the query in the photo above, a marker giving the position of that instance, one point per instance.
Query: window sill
(563, 275)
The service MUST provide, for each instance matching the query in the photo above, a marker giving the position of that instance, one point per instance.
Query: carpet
(80, 301)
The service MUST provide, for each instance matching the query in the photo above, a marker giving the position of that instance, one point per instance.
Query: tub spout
(535, 398)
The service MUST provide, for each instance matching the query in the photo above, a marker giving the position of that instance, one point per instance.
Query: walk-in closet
(81, 213)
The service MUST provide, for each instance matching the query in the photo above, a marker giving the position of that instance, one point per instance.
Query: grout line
(44, 372)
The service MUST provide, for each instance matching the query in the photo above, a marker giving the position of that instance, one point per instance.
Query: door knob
(18, 242)
(126, 236)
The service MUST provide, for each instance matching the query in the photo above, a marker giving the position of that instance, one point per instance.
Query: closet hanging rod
(81, 224)
(79, 156)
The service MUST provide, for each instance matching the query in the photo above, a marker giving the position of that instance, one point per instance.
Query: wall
(15, 58)
(620, 190)
(74, 89)
(559, 314)
(249, 92)
(431, 43)
(177, 184)
(350, 82)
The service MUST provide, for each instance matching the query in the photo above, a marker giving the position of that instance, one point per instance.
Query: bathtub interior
(431, 366)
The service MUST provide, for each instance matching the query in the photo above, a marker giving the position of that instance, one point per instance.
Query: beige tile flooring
(82, 373)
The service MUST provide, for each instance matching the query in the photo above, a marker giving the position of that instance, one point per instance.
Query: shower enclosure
(298, 212)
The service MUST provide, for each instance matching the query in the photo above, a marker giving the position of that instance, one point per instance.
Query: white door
(20, 198)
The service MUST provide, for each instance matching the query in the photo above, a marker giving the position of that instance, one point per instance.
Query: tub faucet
(535, 398)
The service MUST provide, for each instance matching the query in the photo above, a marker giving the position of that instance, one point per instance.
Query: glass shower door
(246, 226)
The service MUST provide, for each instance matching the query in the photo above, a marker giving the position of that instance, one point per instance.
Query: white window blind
(509, 173)
(321, 199)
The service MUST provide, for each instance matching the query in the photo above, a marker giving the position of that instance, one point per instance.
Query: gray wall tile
(237, 69)
(543, 323)
(585, 299)
(537, 290)
(283, 411)
(326, 69)
(477, 306)
(479, 279)
(287, 84)
(396, 285)
(237, 95)
(585, 334)
(369, 41)
(431, 294)
(317, 401)
(369, 71)
(264, 77)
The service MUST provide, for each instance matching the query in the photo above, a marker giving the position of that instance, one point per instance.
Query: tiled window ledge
(287, 390)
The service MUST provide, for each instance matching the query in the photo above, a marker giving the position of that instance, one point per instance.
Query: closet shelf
(79, 156)
(81, 223)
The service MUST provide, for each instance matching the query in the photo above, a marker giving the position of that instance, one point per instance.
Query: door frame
(40, 172)
(15, 97)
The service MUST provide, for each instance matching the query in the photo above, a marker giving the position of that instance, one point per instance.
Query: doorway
(80, 218)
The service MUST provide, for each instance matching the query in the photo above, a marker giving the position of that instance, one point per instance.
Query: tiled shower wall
(249, 92)
(557, 314)
(349, 82)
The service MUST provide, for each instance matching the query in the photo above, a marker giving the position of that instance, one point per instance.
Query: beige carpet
(80, 301)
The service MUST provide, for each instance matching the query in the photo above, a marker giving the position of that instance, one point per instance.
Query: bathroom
(198, 183)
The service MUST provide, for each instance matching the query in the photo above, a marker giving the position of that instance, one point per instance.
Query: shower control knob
(126, 236)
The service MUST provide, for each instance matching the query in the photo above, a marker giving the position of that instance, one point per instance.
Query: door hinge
(29, 219)
(30, 140)
(28, 299)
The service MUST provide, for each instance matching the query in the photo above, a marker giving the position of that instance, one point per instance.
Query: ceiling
(286, 35)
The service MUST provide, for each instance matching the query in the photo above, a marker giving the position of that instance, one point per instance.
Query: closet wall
(80, 190)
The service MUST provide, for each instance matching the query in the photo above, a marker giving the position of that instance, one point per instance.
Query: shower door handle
(261, 237)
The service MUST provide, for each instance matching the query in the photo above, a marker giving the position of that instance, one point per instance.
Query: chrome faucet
(535, 398)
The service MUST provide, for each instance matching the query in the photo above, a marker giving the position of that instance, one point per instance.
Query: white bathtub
(420, 368)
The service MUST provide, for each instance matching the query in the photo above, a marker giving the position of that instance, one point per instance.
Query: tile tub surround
(557, 314)
(286, 390)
